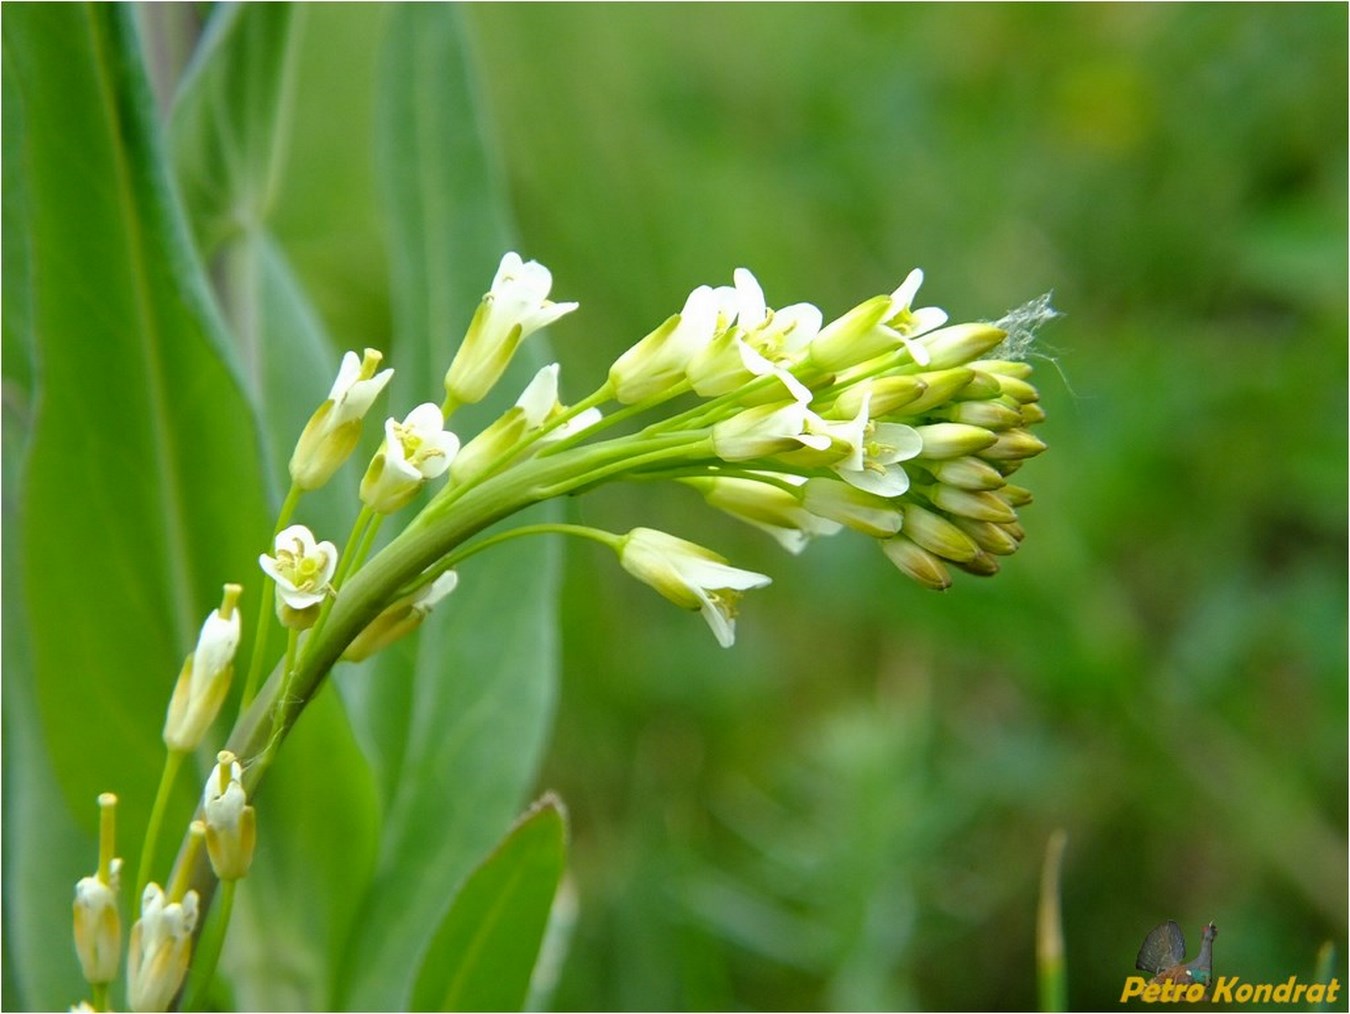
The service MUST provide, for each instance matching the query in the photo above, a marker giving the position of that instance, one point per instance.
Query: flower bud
(335, 427)
(981, 565)
(989, 537)
(1017, 389)
(953, 440)
(884, 395)
(516, 306)
(940, 387)
(1003, 367)
(938, 535)
(845, 504)
(205, 677)
(978, 504)
(400, 619)
(231, 829)
(1017, 496)
(767, 507)
(160, 949)
(853, 338)
(1012, 445)
(917, 563)
(992, 415)
(659, 361)
(982, 385)
(959, 344)
(765, 430)
(1032, 413)
(98, 926)
(965, 473)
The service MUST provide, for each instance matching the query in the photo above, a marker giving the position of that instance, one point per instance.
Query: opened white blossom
(205, 677)
(878, 326)
(414, 450)
(659, 361)
(332, 432)
(301, 569)
(231, 825)
(690, 576)
(160, 949)
(875, 466)
(763, 343)
(400, 619)
(515, 307)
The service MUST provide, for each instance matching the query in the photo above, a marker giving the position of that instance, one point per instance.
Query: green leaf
(141, 494)
(486, 947)
(437, 713)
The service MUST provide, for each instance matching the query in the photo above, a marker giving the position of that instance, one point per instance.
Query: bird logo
(1164, 951)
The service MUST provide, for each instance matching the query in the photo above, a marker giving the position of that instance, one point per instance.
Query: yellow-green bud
(917, 563)
(1017, 389)
(990, 537)
(853, 338)
(960, 343)
(953, 440)
(886, 394)
(1017, 496)
(1012, 445)
(992, 415)
(400, 619)
(335, 427)
(981, 565)
(982, 385)
(489, 445)
(160, 949)
(978, 504)
(966, 473)
(941, 387)
(1015, 529)
(1032, 414)
(937, 535)
(205, 677)
(1003, 367)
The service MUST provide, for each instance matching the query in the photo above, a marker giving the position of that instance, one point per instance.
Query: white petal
(888, 483)
(348, 370)
(751, 308)
(903, 297)
(539, 396)
(902, 442)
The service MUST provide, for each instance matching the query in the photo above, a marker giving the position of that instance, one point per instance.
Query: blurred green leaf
(485, 950)
(141, 494)
(434, 714)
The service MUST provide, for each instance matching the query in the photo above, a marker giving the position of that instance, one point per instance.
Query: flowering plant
(885, 421)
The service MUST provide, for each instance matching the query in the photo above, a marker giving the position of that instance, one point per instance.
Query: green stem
(100, 997)
(172, 762)
(554, 528)
(265, 606)
(209, 947)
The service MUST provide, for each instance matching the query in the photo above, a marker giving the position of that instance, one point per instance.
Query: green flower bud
(953, 346)
(917, 563)
(1017, 389)
(978, 504)
(937, 535)
(853, 338)
(941, 387)
(992, 415)
(990, 537)
(965, 473)
(1003, 367)
(1012, 445)
(982, 385)
(858, 509)
(1017, 496)
(1032, 414)
(887, 395)
(981, 565)
(953, 440)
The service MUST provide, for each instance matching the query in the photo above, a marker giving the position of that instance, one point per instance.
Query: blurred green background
(848, 810)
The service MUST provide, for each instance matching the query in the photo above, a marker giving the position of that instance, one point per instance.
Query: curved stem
(172, 762)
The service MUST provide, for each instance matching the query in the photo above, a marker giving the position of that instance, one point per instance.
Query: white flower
(161, 945)
(763, 343)
(690, 576)
(415, 450)
(659, 360)
(302, 568)
(765, 430)
(332, 432)
(205, 677)
(876, 467)
(842, 503)
(516, 307)
(231, 829)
